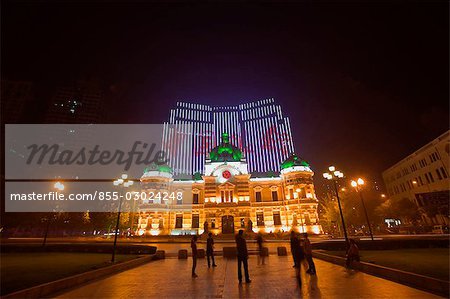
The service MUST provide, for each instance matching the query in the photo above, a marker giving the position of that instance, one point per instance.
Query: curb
(421, 282)
(52, 287)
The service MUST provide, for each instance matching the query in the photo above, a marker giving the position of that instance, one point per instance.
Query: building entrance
(227, 224)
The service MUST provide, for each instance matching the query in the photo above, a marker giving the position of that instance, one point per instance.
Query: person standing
(242, 255)
(308, 255)
(352, 253)
(194, 255)
(295, 247)
(210, 250)
(259, 241)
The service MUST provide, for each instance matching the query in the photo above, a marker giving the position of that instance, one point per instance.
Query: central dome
(225, 152)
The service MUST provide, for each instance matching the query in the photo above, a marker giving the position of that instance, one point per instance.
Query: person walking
(294, 247)
(261, 256)
(352, 253)
(308, 255)
(298, 254)
(194, 255)
(242, 255)
(210, 250)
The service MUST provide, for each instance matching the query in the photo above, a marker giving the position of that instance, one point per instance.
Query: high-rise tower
(258, 128)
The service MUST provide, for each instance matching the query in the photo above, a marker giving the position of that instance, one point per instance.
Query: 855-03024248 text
(97, 195)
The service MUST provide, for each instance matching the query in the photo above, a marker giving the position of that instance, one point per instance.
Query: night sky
(364, 84)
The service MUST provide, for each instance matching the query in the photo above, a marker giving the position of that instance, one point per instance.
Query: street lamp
(125, 183)
(357, 185)
(60, 187)
(336, 174)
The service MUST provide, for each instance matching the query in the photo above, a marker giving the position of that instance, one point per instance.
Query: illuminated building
(226, 197)
(258, 128)
(423, 178)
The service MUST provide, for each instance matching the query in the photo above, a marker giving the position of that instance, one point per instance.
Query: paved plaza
(171, 278)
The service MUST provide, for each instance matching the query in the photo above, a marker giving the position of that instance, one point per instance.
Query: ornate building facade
(226, 197)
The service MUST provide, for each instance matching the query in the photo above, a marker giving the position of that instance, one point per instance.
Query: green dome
(292, 161)
(197, 176)
(161, 168)
(225, 152)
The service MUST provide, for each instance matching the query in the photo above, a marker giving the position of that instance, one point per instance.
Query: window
(179, 221)
(276, 218)
(431, 177)
(258, 196)
(426, 177)
(275, 195)
(307, 219)
(213, 223)
(423, 163)
(260, 219)
(434, 157)
(226, 196)
(242, 222)
(195, 198)
(444, 173)
(439, 174)
(195, 221)
(420, 180)
(291, 193)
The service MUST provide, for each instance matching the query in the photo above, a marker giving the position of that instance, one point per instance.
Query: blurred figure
(210, 250)
(352, 253)
(242, 255)
(294, 247)
(259, 241)
(308, 255)
(299, 256)
(194, 255)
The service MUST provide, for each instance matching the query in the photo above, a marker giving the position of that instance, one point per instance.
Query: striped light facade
(258, 128)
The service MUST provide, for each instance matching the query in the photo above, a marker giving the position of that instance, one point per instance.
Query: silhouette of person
(308, 255)
(210, 250)
(295, 247)
(259, 241)
(242, 256)
(352, 253)
(194, 255)
(300, 256)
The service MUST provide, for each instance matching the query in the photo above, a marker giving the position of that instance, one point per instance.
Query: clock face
(226, 174)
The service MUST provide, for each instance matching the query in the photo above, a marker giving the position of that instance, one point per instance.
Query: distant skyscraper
(17, 97)
(258, 128)
(79, 103)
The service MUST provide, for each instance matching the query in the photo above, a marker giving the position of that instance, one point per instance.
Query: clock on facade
(226, 174)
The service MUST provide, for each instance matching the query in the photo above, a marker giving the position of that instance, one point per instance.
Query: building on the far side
(17, 96)
(78, 103)
(423, 178)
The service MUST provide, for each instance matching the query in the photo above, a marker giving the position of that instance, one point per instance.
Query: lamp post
(60, 187)
(335, 175)
(125, 184)
(357, 185)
